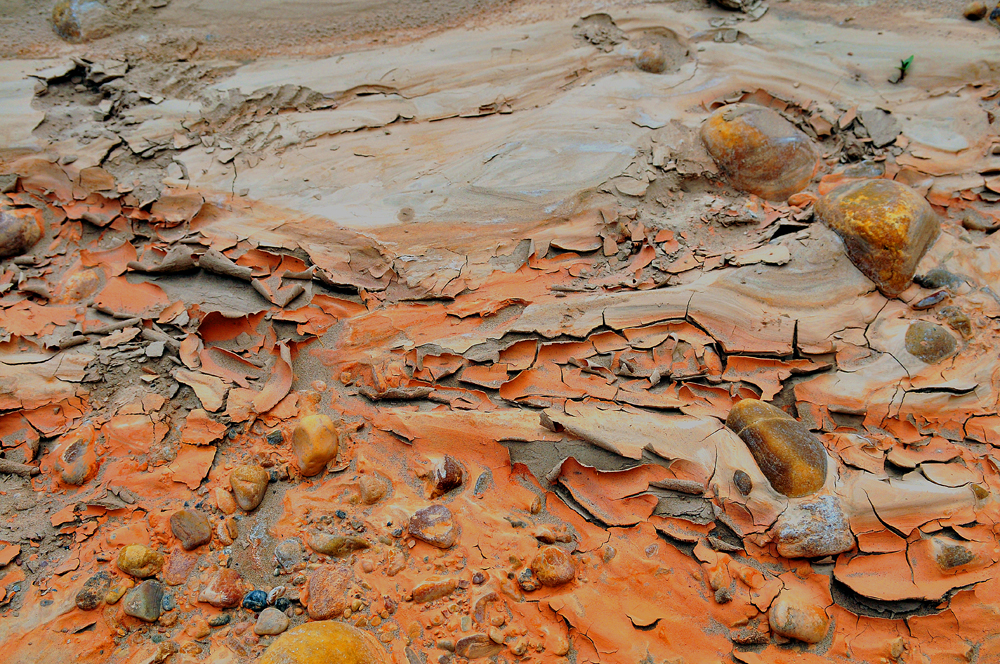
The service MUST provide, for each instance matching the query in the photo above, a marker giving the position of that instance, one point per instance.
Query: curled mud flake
(795, 615)
(76, 460)
(82, 20)
(224, 589)
(144, 601)
(759, 151)
(553, 566)
(140, 561)
(886, 227)
(328, 591)
(315, 442)
(372, 488)
(743, 482)
(434, 589)
(336, 545)
(249, 486)
(447, 475)
(929, 342)
(434, 525)
(791, 458)
(325, 642)
(19, 231)
(956, 320)
(94, 589)
(191, 528)
(813, 528)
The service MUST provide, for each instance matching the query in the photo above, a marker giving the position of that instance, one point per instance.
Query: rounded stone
(325, 642)
(20, 229)
(336, 545)
(76, 460)
(929, 342)
(249, 486)
(975, 10)
(553, 566)
(447, 475)
(328, 591)
(270, 622)
(813, 528)
(434, 525)
(82, 20)
(759, 151)
(288, 552)
(886, 227)
(144, 601)
(372, 489)
(315, 442)
(224, 589)
(191, 528)
(794, 615)
(94, 589)
(140, 561)
(255, 600)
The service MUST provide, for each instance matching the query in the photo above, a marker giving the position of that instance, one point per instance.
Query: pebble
(324, 642)
(956, 320)
(372, 489)
(249, 486)
(76, 460)
(434, 525)
(198, 628)
(270, 622)
(950, 554)
(315, 442)
(255, 600)
(813, 528)
(144, 601)
(19, 231)
(794, 615)
(282, 604)
(791, 458)
(191, 528)
(929, 342)
(328, 591)
(528, 581)
(224, 501)
(553, 566)
(224, 590)
(652, 59)
(434, 589)
(140, 561)
(886, 228)
(116, 593)
(743, 482)
(447, 475)
(475, 646)
(179, 566)
(82, 20)
(975, 10)
(220, 620)
(93, 591)
(759, 151)
(336, 545)
(288, 552)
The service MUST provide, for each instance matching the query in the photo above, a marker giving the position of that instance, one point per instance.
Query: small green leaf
(904, 64)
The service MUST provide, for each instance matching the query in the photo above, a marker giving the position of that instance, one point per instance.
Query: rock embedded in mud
(813, 528)
(794, 615)
(434, 525)
(191, 528)
(447, 475)
(652, 59)
(179, 566)
(140, 561)
(328, 591)
(19, 231)
(249, 486)
(951, 554)
(82, 20)
(792, 459)
(76, 460)
(144, 601)
(886, 227)
(315, 442)
(271, 621)
(975, 10)
(224, 589)
(336, 545)
(434, 589)
(475, 646)
(956, 320)
(325, 642)
(743, 482)
(288, 552)
(929, 342)
(372, 488)
(759, 151)
(553, 566)
(94, 589)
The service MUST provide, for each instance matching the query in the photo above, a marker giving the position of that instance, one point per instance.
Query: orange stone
(886, 228)
(795, 615)
(325, 642)
(790, 456)
(759, 151)
(315, 442)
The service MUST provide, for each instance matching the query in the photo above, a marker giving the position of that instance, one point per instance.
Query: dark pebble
(282, 604)
(931, 300)
(93, 591)
(255, 600)
(275, 437)
(219, 620)
(168, 603)
(341, 514)
(743, 482)
(938, 278)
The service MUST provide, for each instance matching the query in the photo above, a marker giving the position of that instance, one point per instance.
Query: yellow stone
(886, 228)
(759, 151)
(325, 642)
(790, 456)
(140, 561)
(315, 442)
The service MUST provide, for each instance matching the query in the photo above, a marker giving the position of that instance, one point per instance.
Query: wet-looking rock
(325, 642)
(553, 566)
(92, 594)
(191, 528)
(447, 475)
(336, 545)
(140, 561)
(791, 458)
(886, 228)
(224, 589)
(929, 342)
(315, 442)
(249, 486)
(759, 151)
(19, 231)
(434, 525)
(795, 615)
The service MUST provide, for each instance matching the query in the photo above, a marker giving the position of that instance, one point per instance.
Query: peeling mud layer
(452, 298)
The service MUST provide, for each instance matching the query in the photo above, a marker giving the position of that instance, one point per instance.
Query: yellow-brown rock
(795, 615)
(140, 561)
(553, 566)
(886, 228)
(249, 485)
(791, 458)
(325, 642)
(315, 442)
(20, 229)
(929, 342)
(759, 151)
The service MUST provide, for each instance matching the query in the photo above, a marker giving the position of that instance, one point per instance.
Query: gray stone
(270, 622)
(144, 601)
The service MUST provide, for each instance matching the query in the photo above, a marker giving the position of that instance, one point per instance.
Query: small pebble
(975, 10)
(93, 591)
(220, 620)
(447, 475)
(315, 442)
(255, 600)
(191, 528)
(144, 601)
(434, 525)
(140, 561)
(271, 621)
(372, 489)
(249, 486)
(553, 566)
(224, 589)
(336, 545)
(328, 590)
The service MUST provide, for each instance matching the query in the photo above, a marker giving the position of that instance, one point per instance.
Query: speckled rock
(255, 600)
(553, 566)
(179, 566)
(476, 646)
(315, 442)
(75, 458)
(94, 589)
(447, 475)
(759, 151)
(140, 561)
(433, 589)
(249, 486)
(929, 342)
(288, 552)
(434, 525)
(372, 488)
(144, 601)
(271, 621)
(325, 642)
(791, 458)
(224, 590)
(795, 615)
(82, 20)
(813, 527)
(886, 228)
(328, 591)
(191, 528)
(336, 545)
(20, 229)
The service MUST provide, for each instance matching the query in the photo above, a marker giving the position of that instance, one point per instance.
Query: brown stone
(759, 151)
(179, 566)
(813, 528)
(191, 528)
(447, 475)
(434, 525)
(224, 589)
(94, 589)
(140, 561)
(434, 589)
(929, 342)
(795, 615)
(224, 501)
(198, 628)
(328, 591)
(886, 228)
(315, 442)
(553, 566)
(249, 486)
(791, 458)
(20, 229)
(975, 10)
(336, 545)
(372, 488)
